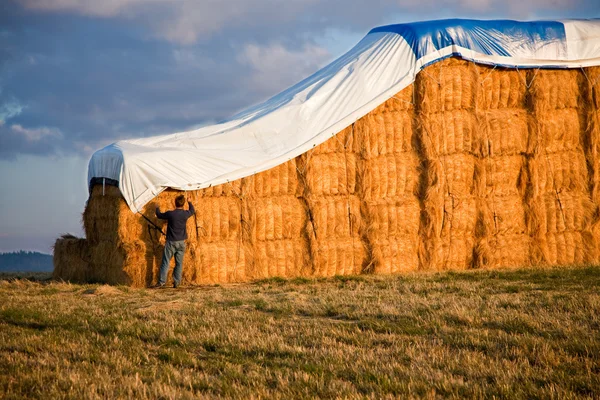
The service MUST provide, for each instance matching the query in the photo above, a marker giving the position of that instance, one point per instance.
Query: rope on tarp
(527, 84)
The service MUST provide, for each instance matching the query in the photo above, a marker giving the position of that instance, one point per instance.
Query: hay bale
(344, 141)
(220, 262)
(329, 178)
(332, 174)
(459, 216)
(385, 131)
(554, 89)
(394, 217)
(393, 234)
(501, 176)
(453, 175)
(135, 263)
(232, 188)
(501, 229)
(450, 219)
(450, 141)
(276, 225)
(561, 209)
(563, 212)
(501, 215)
(71, 259)
(336, 216)
(559, 130)
(451, 252)
(401, 101)
(567, 248)
(275, 218)
(284, 258)
(452, 132)
(277, 181)
(390, 176)
(504, 132)
(561, 171)
(218, 218)
(593, 82)
(503, 251)
(336, 228)
(107, 265)
(339, 256)
(107, 217)
(590, 113)
(591, 108)
(448, 85)
(396, 254)
(456, 173)
(501, 88)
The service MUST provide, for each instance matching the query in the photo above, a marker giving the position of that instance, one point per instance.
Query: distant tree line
(25, 261)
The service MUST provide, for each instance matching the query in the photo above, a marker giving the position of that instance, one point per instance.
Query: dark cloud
(93, 72)
(190, 21)
(15, 140)
(100, 80)
(104, 79)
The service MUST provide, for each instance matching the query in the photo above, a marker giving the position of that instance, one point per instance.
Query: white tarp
(310, 112)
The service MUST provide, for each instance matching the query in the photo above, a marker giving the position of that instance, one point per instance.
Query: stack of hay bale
(561, 207)
(469, 167)
(114, 236)
(330, 193)
(389, 178)
(502, 237)
(591, 97)
(71, 258)
(277, 223)
(446, 94)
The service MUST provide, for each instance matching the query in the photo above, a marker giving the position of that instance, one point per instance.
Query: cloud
(189, 21)
(104, 8)
(274, 66)
(16, 139)
(36, 134)
(179, 21)
(79, 74)
(85, 95)
(9, 109)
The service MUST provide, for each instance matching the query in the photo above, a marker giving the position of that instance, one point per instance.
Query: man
(176, 236)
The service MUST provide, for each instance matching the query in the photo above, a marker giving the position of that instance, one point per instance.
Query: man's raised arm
(191, 206)
(159, 214)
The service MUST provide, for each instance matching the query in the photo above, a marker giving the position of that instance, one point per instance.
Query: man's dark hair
(179, 201)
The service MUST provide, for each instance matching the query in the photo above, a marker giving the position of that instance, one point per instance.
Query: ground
(507, 334)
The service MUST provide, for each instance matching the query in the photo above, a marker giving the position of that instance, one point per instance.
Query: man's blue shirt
(176, 222)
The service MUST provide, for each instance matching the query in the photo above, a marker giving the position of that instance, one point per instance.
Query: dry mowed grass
(510, 334)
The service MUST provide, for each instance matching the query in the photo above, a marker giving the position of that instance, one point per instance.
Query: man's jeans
(177, 248)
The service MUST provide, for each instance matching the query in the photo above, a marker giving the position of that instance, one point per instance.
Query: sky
(77, 75)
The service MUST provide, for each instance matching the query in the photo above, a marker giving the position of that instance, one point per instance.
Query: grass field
(510, 334)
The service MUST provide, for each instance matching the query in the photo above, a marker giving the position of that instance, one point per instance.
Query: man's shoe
(158, 286)
(175, 285)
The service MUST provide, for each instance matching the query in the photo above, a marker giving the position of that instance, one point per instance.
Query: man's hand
(157, 210)
(151, 205)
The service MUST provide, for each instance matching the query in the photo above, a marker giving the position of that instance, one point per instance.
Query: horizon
(24, 252)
